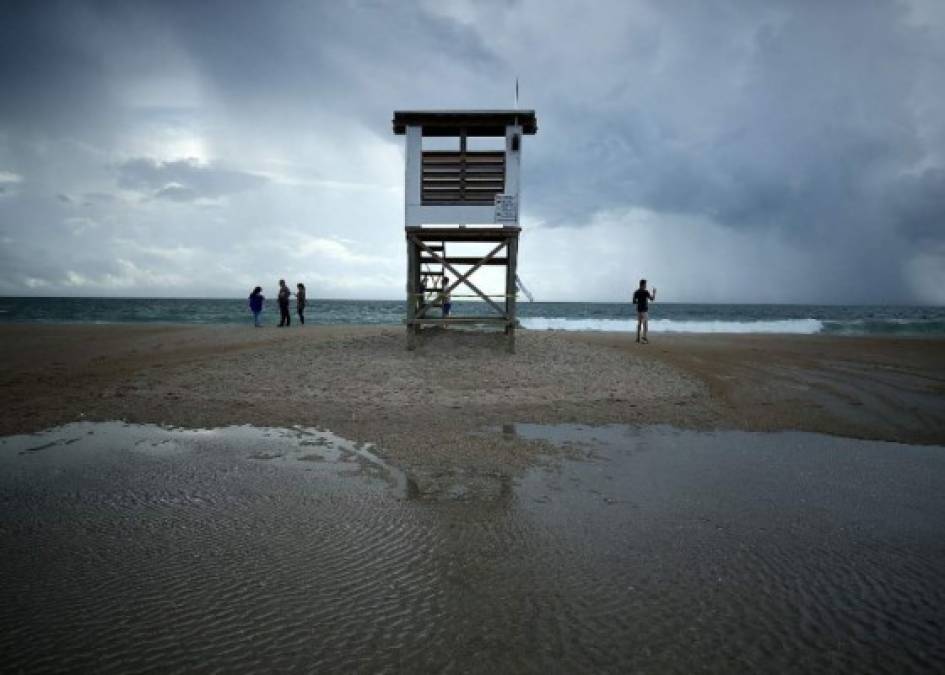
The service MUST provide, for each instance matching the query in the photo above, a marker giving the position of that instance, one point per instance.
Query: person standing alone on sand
(641, 299)
(284, 318)
(256, 304)
(300, 302)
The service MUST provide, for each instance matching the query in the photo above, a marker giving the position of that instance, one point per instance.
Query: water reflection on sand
(130, 547)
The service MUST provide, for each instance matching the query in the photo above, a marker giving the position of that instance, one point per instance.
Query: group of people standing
(257, 300)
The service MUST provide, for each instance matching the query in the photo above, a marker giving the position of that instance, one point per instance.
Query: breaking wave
(798, 326)
(777, 326)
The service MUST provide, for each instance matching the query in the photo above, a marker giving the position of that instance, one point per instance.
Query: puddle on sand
(307, 449)
(133, 548)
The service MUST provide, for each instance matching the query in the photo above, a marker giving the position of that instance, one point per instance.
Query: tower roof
(475, 122)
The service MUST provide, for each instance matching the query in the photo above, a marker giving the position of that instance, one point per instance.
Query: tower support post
(510, 294)
(413, 288)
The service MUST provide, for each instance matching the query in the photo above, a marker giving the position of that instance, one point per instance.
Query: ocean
(665, 317)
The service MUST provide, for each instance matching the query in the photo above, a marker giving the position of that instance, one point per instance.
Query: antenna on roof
(516, 92)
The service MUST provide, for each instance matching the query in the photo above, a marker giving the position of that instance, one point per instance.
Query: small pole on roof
(516, 92)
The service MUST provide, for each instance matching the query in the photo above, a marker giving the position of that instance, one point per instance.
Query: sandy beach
(355, 507)
(418, 407)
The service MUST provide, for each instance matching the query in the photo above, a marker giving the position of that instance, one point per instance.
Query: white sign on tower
(506, 208)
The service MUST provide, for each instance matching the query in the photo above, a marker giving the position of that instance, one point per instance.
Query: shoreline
(241, 323)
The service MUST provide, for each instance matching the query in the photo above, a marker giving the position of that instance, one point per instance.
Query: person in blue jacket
(256, 304)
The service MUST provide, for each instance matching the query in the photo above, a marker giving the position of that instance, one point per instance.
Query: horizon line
(537, 302)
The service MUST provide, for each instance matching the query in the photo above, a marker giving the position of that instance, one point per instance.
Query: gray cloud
(817, 126)
(97, 198)
(917, 204)
(184, 180)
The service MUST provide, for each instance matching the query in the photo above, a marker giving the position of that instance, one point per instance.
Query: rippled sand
(128, 548)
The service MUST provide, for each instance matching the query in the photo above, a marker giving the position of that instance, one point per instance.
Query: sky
(731, 151)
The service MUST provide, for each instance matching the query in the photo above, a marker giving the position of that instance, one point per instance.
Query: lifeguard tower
(461, 196)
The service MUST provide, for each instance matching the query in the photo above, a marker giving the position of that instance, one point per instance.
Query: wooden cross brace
(462, 278)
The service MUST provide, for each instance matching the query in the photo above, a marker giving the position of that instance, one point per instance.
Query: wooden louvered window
(463, 177)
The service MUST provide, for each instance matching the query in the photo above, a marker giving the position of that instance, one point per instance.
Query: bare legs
(643, 324)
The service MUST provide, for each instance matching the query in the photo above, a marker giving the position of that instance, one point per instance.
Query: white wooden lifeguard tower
(461, 196)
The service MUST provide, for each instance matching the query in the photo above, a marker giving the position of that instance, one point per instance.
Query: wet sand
(863, 387)
(138, 548)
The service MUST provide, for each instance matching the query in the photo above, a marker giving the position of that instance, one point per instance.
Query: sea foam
(781, 326)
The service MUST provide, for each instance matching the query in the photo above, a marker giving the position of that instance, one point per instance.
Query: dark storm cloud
(183, 180)
(797, 119)
(54, 74)
(918, 205)
(357, 59)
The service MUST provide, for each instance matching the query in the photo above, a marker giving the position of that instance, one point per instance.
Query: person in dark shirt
(641, 299)
(285, 319)
(422, 295)
(446, 298)
(300, 302)
(256, 300)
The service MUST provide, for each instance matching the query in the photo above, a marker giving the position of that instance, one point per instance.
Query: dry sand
(419, 407)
